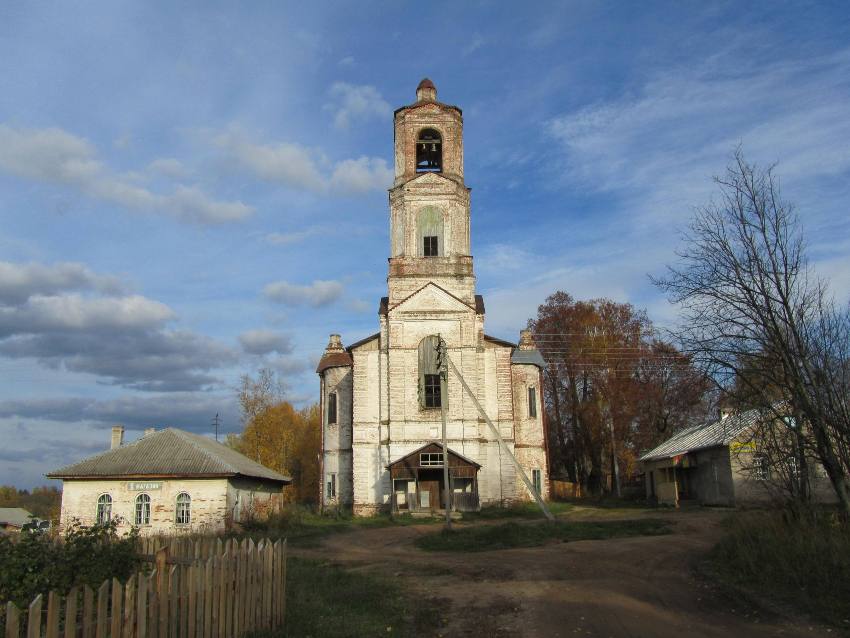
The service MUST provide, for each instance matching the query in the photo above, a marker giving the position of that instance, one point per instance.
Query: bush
(800, 558)
(37, 563)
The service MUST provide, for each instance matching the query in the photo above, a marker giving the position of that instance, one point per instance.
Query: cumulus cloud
(186, 410)
(351, 102)
(319, 293)
(46, 314)
(56, 156)
(303, 168)
(19, 282)
(264, 342)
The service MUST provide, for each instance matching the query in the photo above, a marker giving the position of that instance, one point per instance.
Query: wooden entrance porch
(418, 483)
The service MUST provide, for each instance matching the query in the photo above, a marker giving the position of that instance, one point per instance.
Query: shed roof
(457, 455)
(704, 435)
(170, 452)
(16, 516)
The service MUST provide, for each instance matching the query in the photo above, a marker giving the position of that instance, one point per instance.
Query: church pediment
(431, 298)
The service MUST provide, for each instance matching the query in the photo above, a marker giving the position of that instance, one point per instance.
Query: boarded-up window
(532, 402)
(332, 408)
(429, 232)
(429, 372)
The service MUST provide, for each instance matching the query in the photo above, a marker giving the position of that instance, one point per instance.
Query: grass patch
(527, 509)
(801, 560)
(326, 601)
(306, 528)
(489, 537)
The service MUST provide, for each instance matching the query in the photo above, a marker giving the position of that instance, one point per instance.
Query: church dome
(426, 91)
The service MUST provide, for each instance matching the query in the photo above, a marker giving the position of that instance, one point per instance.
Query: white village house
(168, 481)
(381, 398)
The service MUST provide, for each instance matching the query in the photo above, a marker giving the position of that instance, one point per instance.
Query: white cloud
(319, 293)
(361, 175)
(356, 102)
(303, 168)
(264, 342)
(55, 156)
(19, 282)
(169, 167)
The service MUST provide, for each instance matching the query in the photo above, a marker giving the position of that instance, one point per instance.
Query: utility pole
(442, 361)
(215, 423)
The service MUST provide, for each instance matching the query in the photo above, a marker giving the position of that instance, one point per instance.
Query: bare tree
(756, 315)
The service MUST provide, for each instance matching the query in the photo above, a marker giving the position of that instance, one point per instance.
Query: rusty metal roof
(704, 435)
(334, 360)
(169, 452)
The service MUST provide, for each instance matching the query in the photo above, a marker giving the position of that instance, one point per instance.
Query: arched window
(429, 232)
(143, 510)
(429, 373)
(104, 509)
(184, 507)
(429, 151)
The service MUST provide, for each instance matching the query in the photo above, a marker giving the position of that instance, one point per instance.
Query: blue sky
(189, 193)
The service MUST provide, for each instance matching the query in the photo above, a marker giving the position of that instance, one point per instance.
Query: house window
(429, 152)
(761, 471)
(537, 481)
(532, 402)
(104, 509)
(143, 510)
(332, 408)
(793, 469)
(330, 486)
(184, 509)
(431, 459)
(430, 247)
(432, 390)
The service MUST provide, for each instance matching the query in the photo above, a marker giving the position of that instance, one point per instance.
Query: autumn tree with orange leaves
(279, 436)
(612, 387)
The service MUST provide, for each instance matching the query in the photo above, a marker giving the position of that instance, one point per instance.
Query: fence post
(189, 584)
(161, 569)
(153, 605)
(162, 602)
(268, 584)
(208, 598)
(283, 583)
(53, 603)
(13, 621)
(34, 618)
(88, 610)
(71, 601)
(142, 607)
(102, 609)
(174, 604)
(129, 607)
(117, 597)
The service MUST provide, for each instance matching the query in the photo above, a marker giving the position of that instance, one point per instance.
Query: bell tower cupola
(429, 201)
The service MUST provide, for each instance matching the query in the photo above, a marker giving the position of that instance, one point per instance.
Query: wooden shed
(418, 483)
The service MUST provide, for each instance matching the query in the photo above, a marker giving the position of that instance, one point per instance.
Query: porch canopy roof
(409, 465)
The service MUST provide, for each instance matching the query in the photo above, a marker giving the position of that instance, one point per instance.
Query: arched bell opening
(429, 151)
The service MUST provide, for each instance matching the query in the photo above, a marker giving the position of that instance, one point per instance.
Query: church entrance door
(430, 489)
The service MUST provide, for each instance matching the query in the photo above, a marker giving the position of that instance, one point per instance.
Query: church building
(381, 397)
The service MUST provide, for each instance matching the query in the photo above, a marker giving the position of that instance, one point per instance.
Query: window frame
(101, 508)
(537, 481)
(142, 510)
(183, 508)
(760, 467)
(431, 246)
(432, 459)
(331, 486)
(532, 402)
(432, 392)
(333, 408)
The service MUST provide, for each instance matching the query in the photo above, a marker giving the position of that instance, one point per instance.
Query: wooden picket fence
(202, 588)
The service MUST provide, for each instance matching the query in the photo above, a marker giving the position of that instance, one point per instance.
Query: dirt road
(643, 586)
